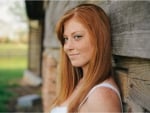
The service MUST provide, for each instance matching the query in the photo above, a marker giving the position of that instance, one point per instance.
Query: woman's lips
(73, 55)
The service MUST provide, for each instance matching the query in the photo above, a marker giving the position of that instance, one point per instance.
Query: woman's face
(77, 44)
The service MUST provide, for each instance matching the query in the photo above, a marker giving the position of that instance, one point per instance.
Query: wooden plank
(122, 81)
(137, 88)
(132, 107)
(130, 22)
(139, 92)
(137, 68)
(35, 47)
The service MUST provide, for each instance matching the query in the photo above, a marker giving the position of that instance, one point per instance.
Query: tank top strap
(104, 84)
(108, 86)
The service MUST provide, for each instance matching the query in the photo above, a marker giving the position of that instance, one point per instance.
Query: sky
(8, 23)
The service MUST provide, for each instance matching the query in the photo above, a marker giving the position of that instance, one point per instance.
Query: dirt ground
(22, 91)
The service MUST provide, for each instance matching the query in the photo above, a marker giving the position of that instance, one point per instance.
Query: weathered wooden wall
(130, 21)
(133, 77)
(131, 28)
(35, 49)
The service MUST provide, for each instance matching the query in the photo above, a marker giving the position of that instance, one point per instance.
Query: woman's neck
(85, 70)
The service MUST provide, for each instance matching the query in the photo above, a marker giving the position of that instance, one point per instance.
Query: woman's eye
(77, 37)
(65, 39)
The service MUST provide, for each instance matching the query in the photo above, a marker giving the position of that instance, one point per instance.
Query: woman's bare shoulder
(103, 99)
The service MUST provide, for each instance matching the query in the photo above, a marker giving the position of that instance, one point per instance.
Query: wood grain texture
(137, 68)
(130, 22)
(35, 47)
(134, 80)
(122, 80)
(139, 92)
(133, 107)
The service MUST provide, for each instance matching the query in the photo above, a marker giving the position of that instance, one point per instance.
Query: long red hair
(100, 66)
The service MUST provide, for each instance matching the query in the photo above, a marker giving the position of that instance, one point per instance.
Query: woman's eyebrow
(73, 33)
(64, 35)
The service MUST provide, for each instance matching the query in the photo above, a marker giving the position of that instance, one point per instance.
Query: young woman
(86, 80)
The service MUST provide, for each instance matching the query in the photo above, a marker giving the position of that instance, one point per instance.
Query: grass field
(11, 71)
(15, 46)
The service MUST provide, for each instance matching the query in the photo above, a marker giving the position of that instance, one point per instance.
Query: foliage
(18, 9)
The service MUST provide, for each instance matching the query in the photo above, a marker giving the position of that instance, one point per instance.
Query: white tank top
(63, 109)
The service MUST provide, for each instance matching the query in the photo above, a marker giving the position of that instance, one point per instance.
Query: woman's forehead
(74, 25)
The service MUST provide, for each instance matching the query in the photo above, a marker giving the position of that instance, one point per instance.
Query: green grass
(11, 46)
(13, 62)
(8, 49)
(10, 77)
(11, 71)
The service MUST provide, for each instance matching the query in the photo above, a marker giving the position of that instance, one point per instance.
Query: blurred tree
(17, 8)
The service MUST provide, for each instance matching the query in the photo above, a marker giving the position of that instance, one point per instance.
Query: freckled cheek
(87, 51)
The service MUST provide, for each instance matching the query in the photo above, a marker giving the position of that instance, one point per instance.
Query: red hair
(97, 23)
